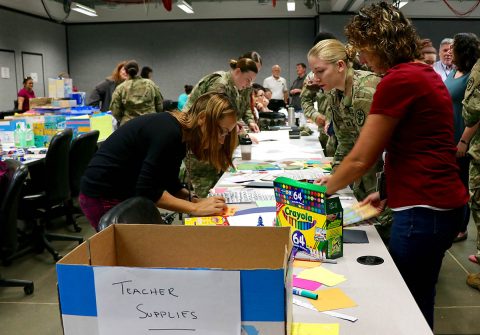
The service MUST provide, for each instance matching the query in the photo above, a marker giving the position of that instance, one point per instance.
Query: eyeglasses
(224, 132)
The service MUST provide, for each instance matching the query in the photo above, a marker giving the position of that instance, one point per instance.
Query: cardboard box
(261, 257)
(39, 102)
(316, 221)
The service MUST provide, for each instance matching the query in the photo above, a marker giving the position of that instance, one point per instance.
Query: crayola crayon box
(315, 221)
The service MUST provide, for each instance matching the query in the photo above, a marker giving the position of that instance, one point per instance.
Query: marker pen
(305, 293)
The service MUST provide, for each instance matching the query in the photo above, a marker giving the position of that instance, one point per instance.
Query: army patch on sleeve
(470, 84)
(360, 117)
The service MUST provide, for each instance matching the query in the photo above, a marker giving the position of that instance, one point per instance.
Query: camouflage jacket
(471, 115)
(471, 109)
(350, 111)
(222, 81)
(135, 97)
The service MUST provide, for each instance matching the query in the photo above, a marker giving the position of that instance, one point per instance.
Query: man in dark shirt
(296, 88)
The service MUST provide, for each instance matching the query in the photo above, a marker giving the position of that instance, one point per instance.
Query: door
(8, 79)
(32, 64)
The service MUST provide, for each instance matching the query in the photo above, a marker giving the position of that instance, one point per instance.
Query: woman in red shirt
(25, 94)
(411, 117)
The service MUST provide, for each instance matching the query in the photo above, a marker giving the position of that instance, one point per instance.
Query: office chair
(132, 210)
(82, 149)
(11, 189)
(52, 192)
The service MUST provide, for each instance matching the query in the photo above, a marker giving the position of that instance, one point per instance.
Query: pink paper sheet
(305, 284)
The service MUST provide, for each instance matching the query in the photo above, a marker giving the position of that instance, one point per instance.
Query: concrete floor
(457, 309)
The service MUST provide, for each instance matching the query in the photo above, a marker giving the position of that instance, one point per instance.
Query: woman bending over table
(143, 158)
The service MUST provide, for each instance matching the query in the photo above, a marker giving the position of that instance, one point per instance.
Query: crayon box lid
(306, 196)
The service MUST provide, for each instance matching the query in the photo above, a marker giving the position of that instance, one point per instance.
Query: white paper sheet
(266, 219)
(153, 301)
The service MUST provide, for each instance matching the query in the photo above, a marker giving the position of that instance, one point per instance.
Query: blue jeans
(419, 238)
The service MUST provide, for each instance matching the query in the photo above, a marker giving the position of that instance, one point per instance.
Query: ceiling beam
(338, 5)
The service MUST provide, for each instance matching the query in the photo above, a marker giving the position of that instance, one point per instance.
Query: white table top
(275, 145)
(385, 305)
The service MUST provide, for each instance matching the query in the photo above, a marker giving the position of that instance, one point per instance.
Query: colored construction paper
(230, 210)
(322, 275)
(266, 203)
(305, 264)
(103, 124)
(305, 284)
(332, 298)
(299, 328)
(257, 166)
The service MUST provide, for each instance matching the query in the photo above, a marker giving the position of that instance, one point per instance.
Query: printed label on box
(140, 301)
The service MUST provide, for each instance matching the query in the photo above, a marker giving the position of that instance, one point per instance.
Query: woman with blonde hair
(411, 117)
(143, 158)
(101, 95)
(349, 97)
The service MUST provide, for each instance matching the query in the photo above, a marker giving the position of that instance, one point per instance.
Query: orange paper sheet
(331, 299)
(305, 264)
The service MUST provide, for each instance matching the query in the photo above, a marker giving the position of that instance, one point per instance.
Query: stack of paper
(358, 213)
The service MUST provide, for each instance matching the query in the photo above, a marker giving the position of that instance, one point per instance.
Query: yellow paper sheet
(103, 124)
(305, 264)
(330, 299)
(299, 328)
(322, 275)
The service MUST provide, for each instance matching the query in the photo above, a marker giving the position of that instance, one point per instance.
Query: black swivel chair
(10, 194)
(82, 149)
(132, 210)
(53, 192)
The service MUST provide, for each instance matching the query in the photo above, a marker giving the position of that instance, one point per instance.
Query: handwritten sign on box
(161, 301)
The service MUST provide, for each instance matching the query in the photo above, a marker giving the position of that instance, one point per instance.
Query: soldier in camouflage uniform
(348, 107)
(236, 84)
(471, 115)
(348, 110)
(135, 96)
(310, 94)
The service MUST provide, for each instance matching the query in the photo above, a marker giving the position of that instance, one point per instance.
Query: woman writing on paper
(412, 118)
(143, 158)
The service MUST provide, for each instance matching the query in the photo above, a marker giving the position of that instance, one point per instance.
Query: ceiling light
(83, 9)
(291, 6)
(185, 6)
(402, 3)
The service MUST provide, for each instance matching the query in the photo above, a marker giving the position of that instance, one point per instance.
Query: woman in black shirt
(143, 158)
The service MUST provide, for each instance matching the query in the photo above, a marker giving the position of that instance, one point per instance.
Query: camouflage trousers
(203, 176)
(475, 210)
